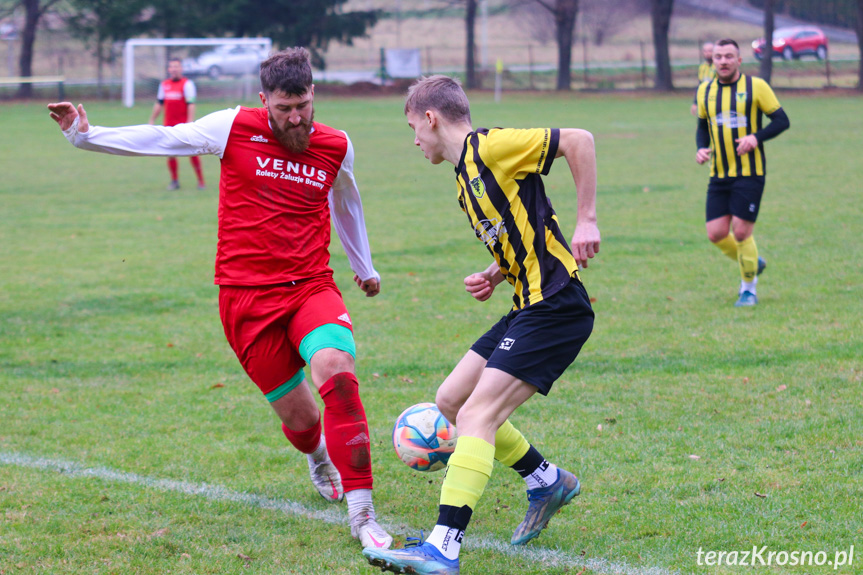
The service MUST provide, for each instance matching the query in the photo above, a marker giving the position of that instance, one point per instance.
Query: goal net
(222, 68)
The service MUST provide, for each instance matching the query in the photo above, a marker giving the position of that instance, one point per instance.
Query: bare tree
(605, 17)
(660, 15)
(470, 49)
(563, 13)
(33, 12)
(767, 53)
(860, 43)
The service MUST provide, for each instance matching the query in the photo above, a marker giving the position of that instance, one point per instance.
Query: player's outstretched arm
(578, 149)
(64, 113)
(481, 285)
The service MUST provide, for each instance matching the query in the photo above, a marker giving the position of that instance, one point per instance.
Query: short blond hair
(441, 94)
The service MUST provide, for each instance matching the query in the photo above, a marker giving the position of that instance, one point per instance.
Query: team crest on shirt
(741, 96)
(477, 186)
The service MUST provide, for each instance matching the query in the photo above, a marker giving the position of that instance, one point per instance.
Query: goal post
(220, 46)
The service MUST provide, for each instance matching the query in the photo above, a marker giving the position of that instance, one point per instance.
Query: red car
(791, 43)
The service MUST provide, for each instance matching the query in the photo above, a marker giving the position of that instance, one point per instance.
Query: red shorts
(265, 324)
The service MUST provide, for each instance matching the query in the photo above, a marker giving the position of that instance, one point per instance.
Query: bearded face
(293, 137)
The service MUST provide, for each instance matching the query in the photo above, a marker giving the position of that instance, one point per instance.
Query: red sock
(306, 441)
(347, 431)
(196, 164)
(172, 167)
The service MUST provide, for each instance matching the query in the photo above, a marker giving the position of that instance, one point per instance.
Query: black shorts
(537, 343)
(739, 197)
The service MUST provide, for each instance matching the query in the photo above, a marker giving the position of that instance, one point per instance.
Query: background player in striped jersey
(731, 137)
(706, 71)
(177, 96)
(500, 189)
(283, 177)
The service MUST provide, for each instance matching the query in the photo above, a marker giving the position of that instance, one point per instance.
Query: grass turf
(692, 424)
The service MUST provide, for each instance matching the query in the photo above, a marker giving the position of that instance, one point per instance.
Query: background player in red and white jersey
(177, 96)
(284, 176)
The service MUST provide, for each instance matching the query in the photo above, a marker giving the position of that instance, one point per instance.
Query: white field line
(548, 557)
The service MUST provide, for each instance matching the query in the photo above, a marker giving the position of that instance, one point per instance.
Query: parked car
(226, 60)
(791, 43)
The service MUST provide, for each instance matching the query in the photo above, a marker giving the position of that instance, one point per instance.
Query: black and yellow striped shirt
(733, 111)
(500, 189)
(706, 71)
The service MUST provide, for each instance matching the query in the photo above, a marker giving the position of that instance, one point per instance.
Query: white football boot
(325, 476)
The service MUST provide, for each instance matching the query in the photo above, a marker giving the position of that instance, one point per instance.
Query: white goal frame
(129, 55)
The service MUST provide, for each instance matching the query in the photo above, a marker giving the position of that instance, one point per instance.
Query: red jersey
(176, 95)
(274, 215)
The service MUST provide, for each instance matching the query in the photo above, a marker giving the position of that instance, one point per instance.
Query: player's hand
(585, 242)
(702, 155)
(64, 113)
(746, 144)
(479, 285)
(371, 286)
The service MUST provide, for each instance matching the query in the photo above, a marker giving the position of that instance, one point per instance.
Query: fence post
(827, 66)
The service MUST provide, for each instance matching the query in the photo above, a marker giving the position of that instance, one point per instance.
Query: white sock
(359, 501)
(447, 540)
(320, 452)
(542, 476)
(748, 286)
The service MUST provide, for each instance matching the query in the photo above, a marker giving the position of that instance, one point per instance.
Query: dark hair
(174, 60)
(728, 42)
(440, 93)
(288, 71)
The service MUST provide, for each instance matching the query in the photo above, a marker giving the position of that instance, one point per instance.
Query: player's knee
(716, 235)
(447, 405)
(329, 361)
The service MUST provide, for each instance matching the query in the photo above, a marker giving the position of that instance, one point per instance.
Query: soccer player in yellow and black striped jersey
(706, 71)
(499, 182)
(731, 137)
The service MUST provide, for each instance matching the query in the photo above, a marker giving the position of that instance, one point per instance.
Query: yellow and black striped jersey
(733, 111)
(500, 189)
(706, 71)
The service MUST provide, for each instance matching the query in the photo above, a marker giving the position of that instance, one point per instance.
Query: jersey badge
(477, 186)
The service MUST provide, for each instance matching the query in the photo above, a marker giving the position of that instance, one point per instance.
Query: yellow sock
(509, 444)
(747, 257)
(728, 246)
(467, 473)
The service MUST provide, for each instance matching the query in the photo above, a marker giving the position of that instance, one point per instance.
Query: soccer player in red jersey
(177, 96)
(284, 176)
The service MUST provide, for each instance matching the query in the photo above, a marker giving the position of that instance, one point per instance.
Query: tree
(470, 50)
(564, 14)
(34, 10)
(101, 22)
(660, 16)
(860, 43)
(605, 17)
(767, 54)
(310, 23)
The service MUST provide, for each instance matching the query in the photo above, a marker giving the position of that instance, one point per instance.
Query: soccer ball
(423, 438)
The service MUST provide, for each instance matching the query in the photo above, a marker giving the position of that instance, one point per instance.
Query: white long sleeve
(208, 135)
(346, 209)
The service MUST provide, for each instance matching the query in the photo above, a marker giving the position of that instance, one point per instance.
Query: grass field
(132, 442)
